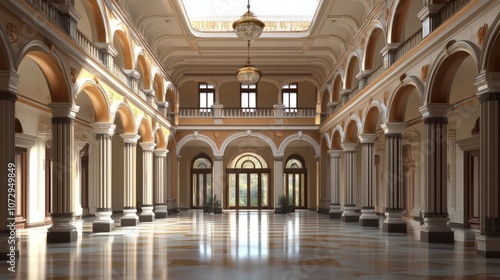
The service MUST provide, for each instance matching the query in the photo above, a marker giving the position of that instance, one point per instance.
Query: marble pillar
(335, 211)
(435, 215)
(147, 214)
(63, 142)
(350, 213)
(368, 216)
(160, 157)
(103, 221)
(394, 178)
(129, 217)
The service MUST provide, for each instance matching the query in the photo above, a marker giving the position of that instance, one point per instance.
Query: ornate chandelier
(248, 75)
(248, 27)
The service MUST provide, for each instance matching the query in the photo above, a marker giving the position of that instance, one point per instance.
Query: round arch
(375, 110)
(491, 46)
(260, 136)
(97, 96)
(372, 58)
(352, 129)
(325, 137)
(52, 68)
(144, 69)
(158, 87)
(159, 137)
(299, 137)
(337, 87)
(100, 26)
(400, 96)
(197, 137)
(6, 62)
(337, 138)
(125, 112)
(445, 68)
(401, 21)
(144, 129)
(353, 67)
(120, 32)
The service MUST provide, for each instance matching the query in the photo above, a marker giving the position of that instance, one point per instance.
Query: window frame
(248, 90)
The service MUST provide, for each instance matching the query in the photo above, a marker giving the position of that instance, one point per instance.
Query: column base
(161, 211)
(103, 222)
(147, 214)
(368, 217)
(130, 218)
(335, 211)
(350, 215)
(488, 247)
(62, 231)
(393, 222)
(435, 229)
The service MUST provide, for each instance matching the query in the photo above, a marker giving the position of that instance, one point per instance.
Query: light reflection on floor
(245, 245)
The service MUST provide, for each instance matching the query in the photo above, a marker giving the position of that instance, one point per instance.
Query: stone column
(278, 180)
(335, 209)
(394, 177)
(147, 214)
(9, 82)
(71, 17)
(63, 142)
(103, 221)
(106, 54)
(150, 96)
(429, 17)
(130, 217)
(435, 216)
(389, 54)
(350, 214)
(488, 243)
(160, 203)
(218, 171)
(368, 215)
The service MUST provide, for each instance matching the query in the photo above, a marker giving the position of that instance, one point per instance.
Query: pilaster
(278, 180)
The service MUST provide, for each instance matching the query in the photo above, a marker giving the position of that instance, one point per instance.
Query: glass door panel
(264, 190)
(254, 189)
(202, 194)
(232, 190)
(243, 190)
(195, 191)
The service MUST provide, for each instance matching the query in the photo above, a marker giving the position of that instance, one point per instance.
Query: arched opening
(202, 190)
(249, 185)
(121, 44)
(373, 57)
(295, 178)
(405, 21)
(352, 71)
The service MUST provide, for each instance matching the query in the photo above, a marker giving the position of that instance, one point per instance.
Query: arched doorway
(201, 181)
(295, 181)
(248, 182)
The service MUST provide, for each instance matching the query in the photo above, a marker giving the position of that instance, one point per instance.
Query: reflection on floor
(246, 245)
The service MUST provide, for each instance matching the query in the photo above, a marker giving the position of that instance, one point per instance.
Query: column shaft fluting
(350, 214)
(160, 157)
(335, 207)
(130, 217)
(147, 214)
(368, 215)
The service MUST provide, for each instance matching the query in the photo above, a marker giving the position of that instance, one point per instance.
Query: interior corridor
(247, 245)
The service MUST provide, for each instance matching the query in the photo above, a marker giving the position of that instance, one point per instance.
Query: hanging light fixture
(248, 75)
(248, 27)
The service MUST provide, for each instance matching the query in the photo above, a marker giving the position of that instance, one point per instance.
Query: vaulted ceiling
(280, 56)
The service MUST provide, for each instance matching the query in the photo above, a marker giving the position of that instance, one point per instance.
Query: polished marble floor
(246, 245)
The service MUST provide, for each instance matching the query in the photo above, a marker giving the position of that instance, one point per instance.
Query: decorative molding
(12, 32)
(425, 72)
(278, 134)
(481, 34)
(72, 73)
(216, 134)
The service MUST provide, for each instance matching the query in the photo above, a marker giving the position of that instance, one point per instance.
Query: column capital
(132, 73)
(147, 146)
(278, 158)
(487, 83)
(367, 138)
(349, 147)
(335, 153)
(433, 110)
(130, 138)
(160, 153)
(393, 127)
(106, 48)
(104, 128)
(218, 157)
(332, 104)
(9, 81)
(148, 91)
(64, 110)
(389, 47)
(162, 104)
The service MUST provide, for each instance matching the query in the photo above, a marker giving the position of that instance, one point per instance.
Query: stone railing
(451, 8)
(87, 46)
(375, 73)
(248, 113)
(48, 10)
(408, 44)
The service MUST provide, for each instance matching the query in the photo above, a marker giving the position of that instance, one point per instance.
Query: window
(248, 97)
(206, 94)
(290, 97)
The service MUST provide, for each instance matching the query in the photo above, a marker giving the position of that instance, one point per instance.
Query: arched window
(201, 181)
(295, 181)
(248, 182)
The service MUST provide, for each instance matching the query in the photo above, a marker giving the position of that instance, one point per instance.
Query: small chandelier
(248, 27)
(248, 75)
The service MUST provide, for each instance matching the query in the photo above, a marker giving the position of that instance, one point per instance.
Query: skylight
(217, 16)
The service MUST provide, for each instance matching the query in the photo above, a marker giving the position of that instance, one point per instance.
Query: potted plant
(217, 206)
(209, 205)
(283, 205)
(291, 206)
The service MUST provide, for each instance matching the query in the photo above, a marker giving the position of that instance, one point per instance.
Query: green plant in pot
(283, 205)
(291, 205)
(217, 206)
(209, 205)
